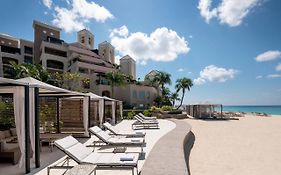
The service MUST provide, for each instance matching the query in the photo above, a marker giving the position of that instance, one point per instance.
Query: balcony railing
(11, 50)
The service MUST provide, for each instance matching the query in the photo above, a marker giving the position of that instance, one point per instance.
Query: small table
(119, 149)
(85, 169)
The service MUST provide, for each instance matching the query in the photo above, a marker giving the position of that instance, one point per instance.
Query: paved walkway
(170, 153)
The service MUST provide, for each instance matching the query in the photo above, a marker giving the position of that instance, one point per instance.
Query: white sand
(248, 146)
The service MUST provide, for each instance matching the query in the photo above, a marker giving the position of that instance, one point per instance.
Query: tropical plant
(174, 97)
(7, 119)
(29, 70)
(166, 108)
(162, 78)
(183, 84)
(69, 80)
(130, 115)
(115, 78)
(147, 112)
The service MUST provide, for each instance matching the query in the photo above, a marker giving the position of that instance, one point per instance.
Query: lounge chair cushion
(79, 152)
(95, 129)
(127, 157)
(66, 142)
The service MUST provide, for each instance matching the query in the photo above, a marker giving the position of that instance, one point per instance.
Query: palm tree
(29, 70)
(162, 78)
(183, 84)
(115, 78)
(174, 97)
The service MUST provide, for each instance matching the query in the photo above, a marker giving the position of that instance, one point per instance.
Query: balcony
(11, 50)
(54, 40)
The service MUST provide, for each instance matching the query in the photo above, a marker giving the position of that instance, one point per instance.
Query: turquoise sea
(274, 110)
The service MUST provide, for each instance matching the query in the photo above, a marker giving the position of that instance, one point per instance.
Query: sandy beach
(248, 146)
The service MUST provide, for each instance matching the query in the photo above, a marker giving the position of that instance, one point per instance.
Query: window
(142, 95)
(90, 42)
(2, 42)
(28, 50)
(51, 34)
(83, 70)
(55, 64)
(44, 31)
(82, 39)
(28, 59)
(134, 94)
(55, 52)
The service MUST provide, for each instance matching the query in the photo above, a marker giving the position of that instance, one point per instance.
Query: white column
(101, 111)
(85, 115)
(113, 112)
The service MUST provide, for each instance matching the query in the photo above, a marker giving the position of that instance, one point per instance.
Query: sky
(231, 49)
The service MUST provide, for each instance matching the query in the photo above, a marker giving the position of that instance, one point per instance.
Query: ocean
(274, 110)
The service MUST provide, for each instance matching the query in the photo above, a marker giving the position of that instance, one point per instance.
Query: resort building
(54, 54)
(13, 49)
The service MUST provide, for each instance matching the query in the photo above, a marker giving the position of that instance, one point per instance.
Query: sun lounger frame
(125, 135)
(98, 167)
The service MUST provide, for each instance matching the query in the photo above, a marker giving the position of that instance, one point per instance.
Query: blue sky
(231, 49)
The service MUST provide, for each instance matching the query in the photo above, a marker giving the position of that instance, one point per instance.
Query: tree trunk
(183, 92)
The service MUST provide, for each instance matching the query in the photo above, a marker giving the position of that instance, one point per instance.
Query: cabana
(101, 102)
(20, 91)
(26, 92)
(204, 110)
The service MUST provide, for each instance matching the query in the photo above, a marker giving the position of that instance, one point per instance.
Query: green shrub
(147, 113)
(167, 108)
(130, 115)
(175, 112)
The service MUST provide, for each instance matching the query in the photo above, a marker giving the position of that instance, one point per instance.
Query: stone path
(169, 154)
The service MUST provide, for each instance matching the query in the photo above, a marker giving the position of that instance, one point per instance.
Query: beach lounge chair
(116, 132)
(116, 141)
(84, 155)
(145, 124)
(145, 117)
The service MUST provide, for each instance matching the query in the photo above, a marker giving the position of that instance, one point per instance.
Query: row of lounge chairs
(82, 154)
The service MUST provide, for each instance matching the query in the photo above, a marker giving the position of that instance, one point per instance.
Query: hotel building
(54, 54)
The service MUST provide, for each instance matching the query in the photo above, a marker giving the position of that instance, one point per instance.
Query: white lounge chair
(145, 117)
(116, 141)
(84, 155)
(141, 123)
(116, 132)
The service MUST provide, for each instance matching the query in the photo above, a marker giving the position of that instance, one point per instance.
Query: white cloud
(269, 55)
(204, 6)
(121, 32)
(259, 77)
(91, 10)
(278, 67)
(117, 59)
(78, 13)
(48, 3)
(274, 76)
(180, 70)
(230, 12)
(161, 45)
(67, 20)
(190, 36)
(212, 73)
